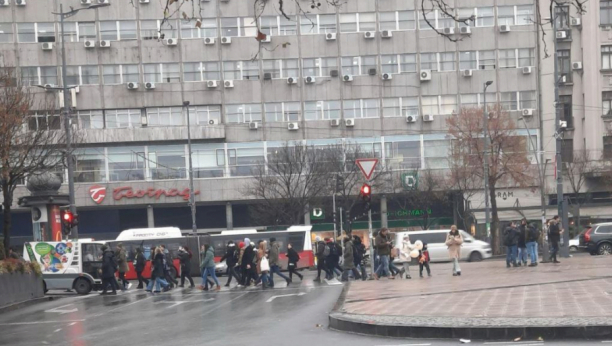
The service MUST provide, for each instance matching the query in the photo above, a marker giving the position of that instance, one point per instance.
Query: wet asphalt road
(295, 316)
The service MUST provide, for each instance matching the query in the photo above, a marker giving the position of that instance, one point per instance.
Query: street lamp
(486, 158)
(192, 204)
(66, 109)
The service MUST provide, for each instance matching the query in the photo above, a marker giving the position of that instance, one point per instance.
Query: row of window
(215, 160)
(286, 111)
(281, 68)
(122, 30)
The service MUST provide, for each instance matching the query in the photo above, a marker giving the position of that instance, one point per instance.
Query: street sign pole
(334, 206)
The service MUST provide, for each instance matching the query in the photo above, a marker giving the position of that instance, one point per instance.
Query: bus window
(219, 247)
(93, 252)
(297, 240)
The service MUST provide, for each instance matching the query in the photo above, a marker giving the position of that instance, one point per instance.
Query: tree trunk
(495, 243)
(8, 201)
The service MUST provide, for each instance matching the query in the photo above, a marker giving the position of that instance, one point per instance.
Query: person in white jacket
(405, 249)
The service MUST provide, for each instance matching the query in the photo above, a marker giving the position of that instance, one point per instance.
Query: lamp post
(485, 129)
(66, 109)
(194, 227)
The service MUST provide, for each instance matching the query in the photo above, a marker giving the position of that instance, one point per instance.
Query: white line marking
(515, 343)
(407, 345)
(285, 295)
(606, 342)
(72, 324)
(39, 322)
(179, 302)
(58, 330)
(61, 312)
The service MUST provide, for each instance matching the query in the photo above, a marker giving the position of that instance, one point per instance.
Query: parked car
(472, 250)
(597, 239)
(574, 243)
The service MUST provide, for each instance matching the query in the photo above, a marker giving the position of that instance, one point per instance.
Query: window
(565, 65)
(350, 65)
(130, 73)
(313, 110)
(445, 21)
(208, 160)
(48, 75)
(46, 32)
(90, 75)
(466, 16)
(327, 23)
(327, 65)
(562, 17)
(607, 147)
(272, 67)
(428, 20)
(367, 22)
(291, 111)
(403, 154)
(505, 15)
(371, 108)
(108, 31)
(70, 32)
(72, 75)
(127, 30)
(162, 73)
(269, 25)
(274, 112)
(122, 118)
(469, 101)
(311, 67)
(90, 119)
(309, 24)
(243, 113)
(195, 28)
(389, 63)
(566, 110)
(165, 116)
(606, 97)
(6, 32)
(567, 150)
(231, 70)
(229, 27)
(29, 76)
(368, 63)
(200, 115)
(243, 158)
(111, 74)
(486, 60)
(152, 73)
(291, 68)
(250, 70)
(198, 71)
(485, 17)
(527, 99)
(507, 58)
(87, 31)
(429, 61)
(509, 101)
(448, 104)
(90, 165)
(126, 163)
(391, 107)
(387, 20)
(606, 57)
(288, 26)
(40, 122)
(605, 12)
(408, 63)
(430, 104)
(405, 20)
(526, 57)
(348, 22)
(248, 27)
(352, 109)
(167, 162)
(208, 28)
(26, 32)
(410, 106)
(149, 30)
(331, 110)
(169, 29)
(436, 153)
(524, 15)
(467, 60)
(447, 61)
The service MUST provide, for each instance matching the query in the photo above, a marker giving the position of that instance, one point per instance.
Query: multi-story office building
(370, 72)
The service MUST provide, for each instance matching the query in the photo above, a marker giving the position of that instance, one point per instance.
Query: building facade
(367, 72)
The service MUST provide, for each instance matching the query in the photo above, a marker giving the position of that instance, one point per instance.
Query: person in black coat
(109, 267)
(522, 243)
(359, 251)
(555, 231)
(140, 263)
(158, 272)
(511, 237)
(247, 265)
(231, 259)
(293, 258)
(184, 256)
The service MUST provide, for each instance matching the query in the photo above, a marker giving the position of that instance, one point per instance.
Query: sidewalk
(488, 301)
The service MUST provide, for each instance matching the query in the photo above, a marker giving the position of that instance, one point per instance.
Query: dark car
(597, 239)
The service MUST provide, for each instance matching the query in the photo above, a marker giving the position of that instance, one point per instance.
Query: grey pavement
(295, 316)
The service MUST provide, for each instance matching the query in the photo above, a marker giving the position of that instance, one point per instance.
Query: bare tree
(576, 172)
(508, 155)
(27, 144)
(463, 182)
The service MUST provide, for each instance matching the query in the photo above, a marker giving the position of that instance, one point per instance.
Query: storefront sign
(409, 213)
(128, 192)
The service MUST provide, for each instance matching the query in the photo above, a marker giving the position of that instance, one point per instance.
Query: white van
(472, 250)
(68, 264)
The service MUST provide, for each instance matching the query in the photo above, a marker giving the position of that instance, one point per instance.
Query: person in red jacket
(424, 260)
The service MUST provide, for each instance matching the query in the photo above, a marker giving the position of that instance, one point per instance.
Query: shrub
(10, 266)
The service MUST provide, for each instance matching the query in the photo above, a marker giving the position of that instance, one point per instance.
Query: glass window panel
(410, 106)
(436, 154)
(391, 107)
(528, 99)
(328, 65)
(90, 165)
(248, 27)
(429, 61)
(291, 68)
(447, 61)
(408, 63)
(231, 70)
(126, 163)
(406, 20)
(111, 74)
(208, 28)
(229, 27)
(430, 104)
(273, 67)
(131, 73)
(108, 31)
(605, 12)
(486, 60)
(211, 70)
(192, 72)
(87, 31)
(189, 29)
(467, 60)
(524, 15)
(250, 70)
(371, 108)
(367, 22)
(486, 17)
(507, 58)
(26, 33)
(352, 109)
(309, 24)
(327, 23)
(606, 57)
(149, 30)
(29, 76)
(350, 65)
(505, 15)
(122, 118)
(90, 119)
(368, 63)
(165, 116)
(127, 30)
(310, 67)
(48, 75)
(269, 25)
(288, 26)
(429, 17)
(6, 32)
(167, 162)
(509, 101)
(90, 75)
(331, 110)
(313, 110)
(445, 21)
(464, 15)
(72, 75)
(291, 111)
(169, 29)
(348, 22)
(234, 114)
(469, 100)
(389, 63)
(387, 20)
(46, 32)
(526, 57)
(152, 73)
(172, 73)
(274, 112)
(70, 31)
(448, 104)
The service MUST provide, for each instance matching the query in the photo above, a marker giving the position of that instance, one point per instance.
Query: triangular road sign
(367, 166)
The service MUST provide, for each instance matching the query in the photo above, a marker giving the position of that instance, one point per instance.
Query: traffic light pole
(371, 233)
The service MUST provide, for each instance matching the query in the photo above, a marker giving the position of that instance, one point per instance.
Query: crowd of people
(521, 242)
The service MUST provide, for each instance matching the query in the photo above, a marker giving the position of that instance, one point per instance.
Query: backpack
(534, 233)
(326, 251)
(333, 249)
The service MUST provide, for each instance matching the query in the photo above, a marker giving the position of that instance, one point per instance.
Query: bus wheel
(82, 286)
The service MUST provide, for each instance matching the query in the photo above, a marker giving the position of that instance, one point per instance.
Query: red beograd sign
(122, 192)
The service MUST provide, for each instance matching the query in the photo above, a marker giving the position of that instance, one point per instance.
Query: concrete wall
(18, 288)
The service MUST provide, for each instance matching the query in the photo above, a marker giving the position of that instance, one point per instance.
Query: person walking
(185, 255)
(511, 235)
(274, 263)
(231, 259)
(321, 253)
(383, 247)
(140, 262)
(405, 258)
(359, 251)
(109, 267)
(454, 240)
(349, 261)
(293, 258)
(522, 243)
(554, 235)
(168, 264)
(533, 235)
(122, 267)
(157, 273)
(332, 260)
(247, 262)
(424, 260)
(208, 267)
(263, 266)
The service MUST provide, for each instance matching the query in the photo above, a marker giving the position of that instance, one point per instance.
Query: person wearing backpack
(321, 253)
(533, 235)
(231, 259)
(511, 236)
(333, 259)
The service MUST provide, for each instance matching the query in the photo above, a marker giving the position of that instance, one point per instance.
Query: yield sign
(367, 166)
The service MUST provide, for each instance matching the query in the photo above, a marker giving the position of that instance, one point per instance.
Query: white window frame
(99, 27)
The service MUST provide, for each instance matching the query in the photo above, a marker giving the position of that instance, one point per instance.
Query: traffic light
(69, 220)
(366, 195)
(339, 183)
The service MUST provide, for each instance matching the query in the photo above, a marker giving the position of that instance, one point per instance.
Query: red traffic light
(366, 190)
(68, 217)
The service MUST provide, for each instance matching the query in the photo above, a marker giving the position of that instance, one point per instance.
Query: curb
(26, 303)
(467, 328)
